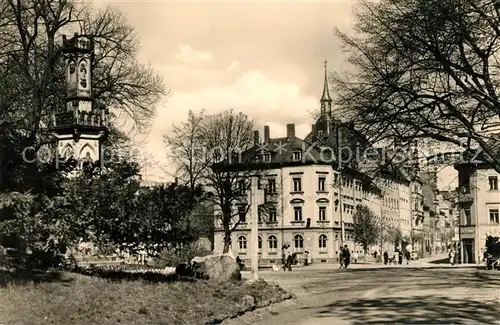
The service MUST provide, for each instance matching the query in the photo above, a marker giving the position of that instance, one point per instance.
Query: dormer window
(266, 157)
(297, 155)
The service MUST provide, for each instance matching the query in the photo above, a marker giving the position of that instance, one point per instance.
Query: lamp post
(254, 232)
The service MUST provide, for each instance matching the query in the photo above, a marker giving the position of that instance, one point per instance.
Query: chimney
(267, 134)
(290, 131)
(256, 137)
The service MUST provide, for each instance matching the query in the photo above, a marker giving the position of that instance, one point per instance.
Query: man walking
(452, 257)
(386, 257)
(347, 256)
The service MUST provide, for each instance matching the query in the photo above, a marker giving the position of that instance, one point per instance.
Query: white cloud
(265, 101)
(233, 65)
(189, 55)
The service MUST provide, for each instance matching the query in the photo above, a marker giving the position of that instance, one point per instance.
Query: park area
(142, 298)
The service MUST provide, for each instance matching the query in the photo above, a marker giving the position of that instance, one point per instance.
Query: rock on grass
(83, 300)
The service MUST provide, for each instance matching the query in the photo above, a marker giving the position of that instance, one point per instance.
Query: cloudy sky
(263, 58)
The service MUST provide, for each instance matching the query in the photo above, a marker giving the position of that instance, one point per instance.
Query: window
(297, 184)
(298, 242)
(242, 213)
(242, 243)
(259, 240)
(493, 180)
(260, 214)
(297, 213)
(273, 243)
(322, 242)
(297, 155)
(271, 185)
(336, 179)
(322, 214)
(321, 184)
(494, 217)
(272, 215)
(266, 157)
(467, 217)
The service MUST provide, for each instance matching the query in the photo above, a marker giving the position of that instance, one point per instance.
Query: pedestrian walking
(288, 259)
(306, 258)
(400, 257)
(355, 256)
(408, 257)
(451, 256)
(347, 256)
(386, 257)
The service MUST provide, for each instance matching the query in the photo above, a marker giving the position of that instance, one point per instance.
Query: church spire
(326, 100)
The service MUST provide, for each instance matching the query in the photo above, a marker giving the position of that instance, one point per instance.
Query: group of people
(344, 256)
(397, 257)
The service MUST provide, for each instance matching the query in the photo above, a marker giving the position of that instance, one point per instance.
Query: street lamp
(254, 232)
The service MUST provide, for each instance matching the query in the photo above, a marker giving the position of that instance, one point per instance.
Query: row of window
(272, 241)
(347, 183)
(494, 217)
(297, 213)
(266, 157)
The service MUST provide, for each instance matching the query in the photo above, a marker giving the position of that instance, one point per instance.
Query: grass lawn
(83, 300)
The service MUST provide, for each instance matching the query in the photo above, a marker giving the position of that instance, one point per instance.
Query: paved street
(364, 295)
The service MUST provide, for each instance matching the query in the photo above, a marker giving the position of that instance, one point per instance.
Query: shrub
(175, 256)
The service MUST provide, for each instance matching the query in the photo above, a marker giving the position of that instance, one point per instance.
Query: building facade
(314, 198)
(479, 206)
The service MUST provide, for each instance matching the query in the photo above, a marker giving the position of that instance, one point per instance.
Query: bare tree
(31, 67)
(218, 152)
(425, 69)
(185, 150)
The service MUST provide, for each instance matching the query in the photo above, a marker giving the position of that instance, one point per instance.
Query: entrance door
(468, 251)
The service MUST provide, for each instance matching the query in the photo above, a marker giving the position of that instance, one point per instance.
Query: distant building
(313, 198)
(479, 206)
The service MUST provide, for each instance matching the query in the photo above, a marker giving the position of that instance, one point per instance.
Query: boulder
(216, 268)
(248, 303)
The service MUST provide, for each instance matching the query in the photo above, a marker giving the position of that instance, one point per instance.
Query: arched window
(242, 243)
(260, 242)
(298, 242)
(322, 242)
(273, 243)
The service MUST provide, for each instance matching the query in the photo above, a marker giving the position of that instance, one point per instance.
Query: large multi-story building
(479, 206)
(311, 198)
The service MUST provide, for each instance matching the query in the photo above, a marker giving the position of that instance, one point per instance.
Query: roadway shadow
(413, 310)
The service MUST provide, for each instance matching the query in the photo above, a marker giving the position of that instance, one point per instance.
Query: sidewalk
(420, 263)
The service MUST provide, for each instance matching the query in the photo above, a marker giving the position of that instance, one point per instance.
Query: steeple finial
(326, 92)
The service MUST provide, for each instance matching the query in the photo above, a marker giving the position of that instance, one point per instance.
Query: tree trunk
(227, 244)
(226, 218)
